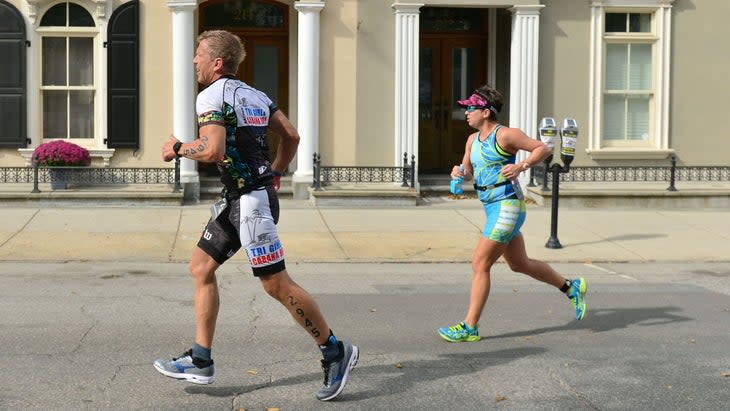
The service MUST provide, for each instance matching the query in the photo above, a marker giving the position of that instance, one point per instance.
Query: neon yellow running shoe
(460, 333)
(577, 295)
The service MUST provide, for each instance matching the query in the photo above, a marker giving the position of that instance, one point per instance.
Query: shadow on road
(392, 379)
(604, 319)
(625, 237)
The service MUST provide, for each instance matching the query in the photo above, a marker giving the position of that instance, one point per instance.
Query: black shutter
(12, 77)
(123, 77)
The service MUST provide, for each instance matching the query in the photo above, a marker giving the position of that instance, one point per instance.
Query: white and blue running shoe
(187, 368)
(337, 371)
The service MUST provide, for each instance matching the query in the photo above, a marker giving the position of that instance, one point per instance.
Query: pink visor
(477, 101)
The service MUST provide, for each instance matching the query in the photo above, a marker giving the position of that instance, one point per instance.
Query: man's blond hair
(226, 46)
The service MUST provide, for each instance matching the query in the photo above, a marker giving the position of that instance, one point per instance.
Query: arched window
(68, 34)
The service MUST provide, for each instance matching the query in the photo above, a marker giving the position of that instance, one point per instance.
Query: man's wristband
(277, 173)
(176, 148)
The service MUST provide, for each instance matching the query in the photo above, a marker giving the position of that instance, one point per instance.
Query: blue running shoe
(577, 295)
(460, 332)
(187, 368)
(336, 372)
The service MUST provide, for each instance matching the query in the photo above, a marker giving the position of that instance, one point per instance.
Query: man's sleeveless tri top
(245, 113)
(487, 159)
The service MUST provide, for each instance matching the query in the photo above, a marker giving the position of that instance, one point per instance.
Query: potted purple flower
(60, 153)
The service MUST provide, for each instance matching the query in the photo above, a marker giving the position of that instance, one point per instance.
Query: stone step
(636, 194)
(102, 195)
(364, 194)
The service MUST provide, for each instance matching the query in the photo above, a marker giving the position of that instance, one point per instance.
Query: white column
(523, 72)
(102, 16)
(406, 80)
(32, 78)
(308, 88)
(183, 89)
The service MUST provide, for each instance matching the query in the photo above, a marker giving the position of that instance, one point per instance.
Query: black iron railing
(92, 176)
(670, 174)
(325, 175)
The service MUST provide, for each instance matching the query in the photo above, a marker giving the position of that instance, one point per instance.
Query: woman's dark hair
(493, 96)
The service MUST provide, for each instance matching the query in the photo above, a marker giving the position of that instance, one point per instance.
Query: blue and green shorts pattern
(504, 219)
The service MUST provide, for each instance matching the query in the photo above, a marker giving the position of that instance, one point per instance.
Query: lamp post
(569, 136)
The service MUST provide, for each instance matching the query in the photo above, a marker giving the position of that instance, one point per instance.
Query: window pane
(79, 17)
(266, 70)
(638, 118)
(640, 67)
(616, 66)
(462, 79)
(615, 22)
(54, 61)
(451, 19)
(81, 56)
(82, 114)
(55, 16)
(640, 23)
(614, 117)
(54, 114)
(244, 13)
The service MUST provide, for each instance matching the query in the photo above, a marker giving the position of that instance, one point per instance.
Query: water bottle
(456, 183)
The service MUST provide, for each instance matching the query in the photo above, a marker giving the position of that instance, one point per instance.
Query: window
(68, 85)
(628, 88)
(629, 79)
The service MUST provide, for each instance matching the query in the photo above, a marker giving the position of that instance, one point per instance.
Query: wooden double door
(451, 67)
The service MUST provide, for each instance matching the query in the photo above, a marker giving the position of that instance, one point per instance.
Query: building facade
(366, 81)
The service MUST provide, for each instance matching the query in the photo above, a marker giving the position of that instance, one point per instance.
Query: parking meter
(548, 133)
(569, 135)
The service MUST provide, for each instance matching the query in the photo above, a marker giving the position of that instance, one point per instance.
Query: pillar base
(300, 186)
(191, 193)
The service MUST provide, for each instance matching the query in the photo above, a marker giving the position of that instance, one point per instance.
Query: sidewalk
(443, 230)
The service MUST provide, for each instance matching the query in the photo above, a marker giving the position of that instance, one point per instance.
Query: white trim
(105, 154)
(632, 3)
(407, 40)
(661, 40)
(307, 87)
(629, 154)
(183, 88)
(524, 67)
(97, 8)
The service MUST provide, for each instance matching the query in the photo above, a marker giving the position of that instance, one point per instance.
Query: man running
(233, 120)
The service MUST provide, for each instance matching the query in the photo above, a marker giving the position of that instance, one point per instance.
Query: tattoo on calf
(308, 324)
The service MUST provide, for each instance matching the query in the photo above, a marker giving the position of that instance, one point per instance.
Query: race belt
(489, 187)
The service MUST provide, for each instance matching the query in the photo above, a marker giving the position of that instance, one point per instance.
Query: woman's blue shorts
(504, 220)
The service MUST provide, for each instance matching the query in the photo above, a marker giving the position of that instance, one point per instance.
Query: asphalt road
(83, 335)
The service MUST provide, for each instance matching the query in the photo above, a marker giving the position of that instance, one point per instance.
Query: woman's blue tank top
(487, 159)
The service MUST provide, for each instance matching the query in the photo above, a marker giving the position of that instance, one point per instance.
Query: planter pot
(59, 179)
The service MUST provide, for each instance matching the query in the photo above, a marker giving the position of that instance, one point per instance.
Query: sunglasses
(472, 108)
